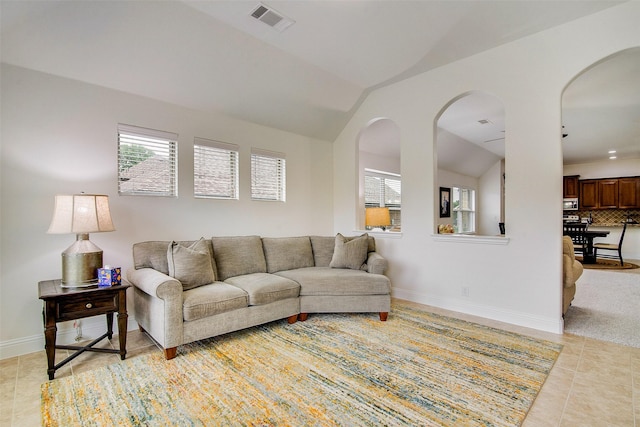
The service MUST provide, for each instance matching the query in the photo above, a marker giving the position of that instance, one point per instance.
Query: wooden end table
(62, 304)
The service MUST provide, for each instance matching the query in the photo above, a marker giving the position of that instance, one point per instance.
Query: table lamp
(377, 218)
(81, 214)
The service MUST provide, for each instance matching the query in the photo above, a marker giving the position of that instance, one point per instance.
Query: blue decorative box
(109, 276)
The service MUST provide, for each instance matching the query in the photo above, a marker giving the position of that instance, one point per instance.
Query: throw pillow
(350, 253)
(190, 265)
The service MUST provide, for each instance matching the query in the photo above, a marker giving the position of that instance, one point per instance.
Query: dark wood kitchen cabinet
(610, 193)
(629, 193)
(607, 193)
(570, 187)
(589, 194)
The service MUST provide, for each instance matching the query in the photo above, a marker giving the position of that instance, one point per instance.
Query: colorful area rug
(417, 368)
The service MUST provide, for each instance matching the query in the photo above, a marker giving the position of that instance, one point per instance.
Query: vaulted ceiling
(307, 79)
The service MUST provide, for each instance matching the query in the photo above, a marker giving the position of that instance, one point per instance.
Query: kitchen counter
(614, 224)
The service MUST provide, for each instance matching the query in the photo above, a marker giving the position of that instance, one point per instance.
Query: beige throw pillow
(350, 254)
(191, 265)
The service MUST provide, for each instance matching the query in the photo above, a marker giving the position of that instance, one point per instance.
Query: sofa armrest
(158, 307)
(571, 271)
(376, 263)
(156, 284)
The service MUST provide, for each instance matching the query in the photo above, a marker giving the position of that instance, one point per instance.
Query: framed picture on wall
(445, 202)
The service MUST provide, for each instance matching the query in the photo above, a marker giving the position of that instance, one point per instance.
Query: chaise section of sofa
(191, 290)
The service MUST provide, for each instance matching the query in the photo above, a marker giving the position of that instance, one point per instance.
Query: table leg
(588, 257)
(122, 323)
(50, 331)
(109, 325)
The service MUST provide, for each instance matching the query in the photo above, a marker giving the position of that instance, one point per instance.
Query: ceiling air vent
(272, 18)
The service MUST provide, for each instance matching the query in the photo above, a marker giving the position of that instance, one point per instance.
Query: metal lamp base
(80, 263)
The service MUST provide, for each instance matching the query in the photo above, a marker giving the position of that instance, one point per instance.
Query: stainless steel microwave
(570, 204)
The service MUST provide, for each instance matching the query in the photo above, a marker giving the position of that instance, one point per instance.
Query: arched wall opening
(470, 162)
(379, 173)
(600, 149)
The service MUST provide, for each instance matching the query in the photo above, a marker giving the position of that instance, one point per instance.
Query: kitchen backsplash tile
(609, 216)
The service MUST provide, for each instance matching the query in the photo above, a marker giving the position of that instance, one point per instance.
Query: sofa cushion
(264, 288)
(190, 265)
(153, 254)
(287, 253)
(238, 255)
(215, 298)
(350, 253)
(332, 281)
(322, 249)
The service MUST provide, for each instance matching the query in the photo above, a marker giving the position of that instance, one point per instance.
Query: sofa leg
(303, 316)
(383, 316)
(292, 319)
(170, 353)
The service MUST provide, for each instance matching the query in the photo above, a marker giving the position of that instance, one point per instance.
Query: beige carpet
(605, 307)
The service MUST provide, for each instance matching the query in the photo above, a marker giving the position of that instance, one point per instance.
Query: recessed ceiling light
(612, 157)
(612, 151)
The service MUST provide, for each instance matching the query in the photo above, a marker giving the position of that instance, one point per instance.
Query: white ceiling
(308, 79)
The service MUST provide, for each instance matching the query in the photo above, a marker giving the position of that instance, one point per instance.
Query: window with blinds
(383, 189)
(215, 169)
(268, 175)
(146, 162)
(463, 202)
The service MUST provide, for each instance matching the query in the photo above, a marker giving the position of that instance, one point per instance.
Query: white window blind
(146, 162)
(382, 189)
(268, 175)
(215, 169)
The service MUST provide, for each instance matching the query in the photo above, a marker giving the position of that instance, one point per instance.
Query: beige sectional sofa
(191, 290)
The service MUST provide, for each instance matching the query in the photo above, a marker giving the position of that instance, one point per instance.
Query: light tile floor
(593, 383)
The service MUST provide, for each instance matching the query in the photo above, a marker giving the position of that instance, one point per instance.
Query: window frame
(458, 212)
(163, 144)
(274, 188)
(216, 151)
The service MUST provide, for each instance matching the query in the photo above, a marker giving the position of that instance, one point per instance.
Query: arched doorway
(600, 148)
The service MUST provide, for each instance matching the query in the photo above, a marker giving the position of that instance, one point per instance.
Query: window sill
(470, 238)
(382, 234)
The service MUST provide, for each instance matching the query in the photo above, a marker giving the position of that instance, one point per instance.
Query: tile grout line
(573, 379)
(633, 393)
(15, 391)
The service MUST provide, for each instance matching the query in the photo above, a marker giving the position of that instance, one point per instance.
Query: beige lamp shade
(81, 214)
(377, 217)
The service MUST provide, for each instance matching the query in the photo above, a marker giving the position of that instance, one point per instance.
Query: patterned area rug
(609, 264)
(417, 368)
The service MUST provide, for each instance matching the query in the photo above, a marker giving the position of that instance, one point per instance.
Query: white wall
(520, 281)
(59, 136)
(606, 169)
(489, 200)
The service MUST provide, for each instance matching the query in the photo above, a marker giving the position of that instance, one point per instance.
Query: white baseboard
(555, 326)
(91, 328)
